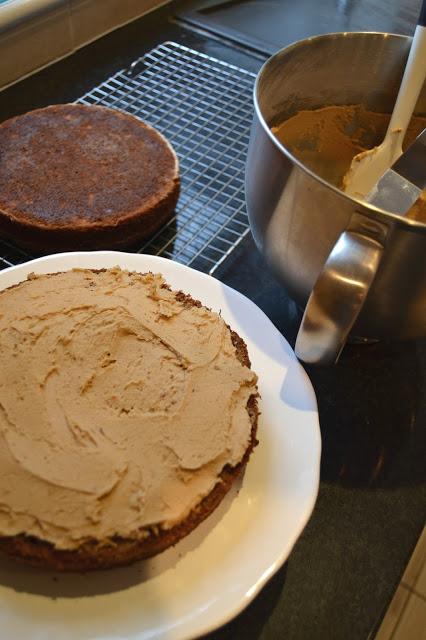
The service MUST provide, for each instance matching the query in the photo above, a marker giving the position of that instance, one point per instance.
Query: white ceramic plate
(217, 570)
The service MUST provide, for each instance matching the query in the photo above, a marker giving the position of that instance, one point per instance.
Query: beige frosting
(119, 406)
(327, 139)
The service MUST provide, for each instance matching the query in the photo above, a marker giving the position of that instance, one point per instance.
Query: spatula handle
(411, 85)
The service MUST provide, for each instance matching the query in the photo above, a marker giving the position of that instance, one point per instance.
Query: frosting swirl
(120, 404)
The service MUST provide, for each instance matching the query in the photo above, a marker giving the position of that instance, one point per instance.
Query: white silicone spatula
(368, 167)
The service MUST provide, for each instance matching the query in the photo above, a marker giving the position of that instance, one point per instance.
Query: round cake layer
(76, 176)
(126, 411)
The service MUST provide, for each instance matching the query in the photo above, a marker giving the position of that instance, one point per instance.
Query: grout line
(403, 610)
(390, 618)
(413, 590)
(419, 595)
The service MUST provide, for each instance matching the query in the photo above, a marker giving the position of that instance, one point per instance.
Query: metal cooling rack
(203, 106)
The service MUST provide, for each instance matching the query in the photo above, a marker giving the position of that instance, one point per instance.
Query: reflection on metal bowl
(357, 269)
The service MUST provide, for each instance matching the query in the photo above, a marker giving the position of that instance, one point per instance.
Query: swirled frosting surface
(119, 406)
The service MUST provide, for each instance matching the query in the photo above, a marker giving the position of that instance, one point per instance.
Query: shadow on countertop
(373, 408)
(250, 623)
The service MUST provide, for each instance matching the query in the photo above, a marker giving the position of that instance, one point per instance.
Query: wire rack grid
(203, 106)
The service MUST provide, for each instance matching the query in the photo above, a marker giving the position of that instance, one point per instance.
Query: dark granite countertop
(341, 575)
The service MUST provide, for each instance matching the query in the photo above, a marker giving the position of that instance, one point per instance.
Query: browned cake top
(71, 165)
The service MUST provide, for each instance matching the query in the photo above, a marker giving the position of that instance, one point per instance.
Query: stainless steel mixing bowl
(359, 271)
